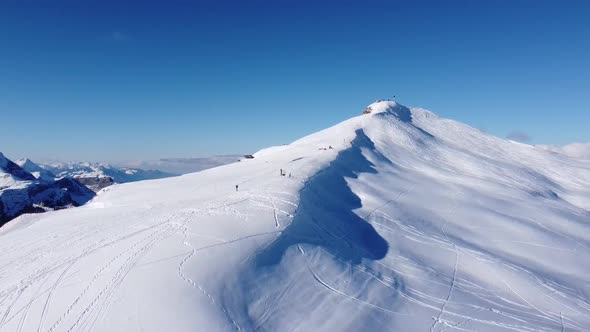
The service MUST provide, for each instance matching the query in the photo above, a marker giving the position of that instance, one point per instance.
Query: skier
(236, 187)
(281, 172)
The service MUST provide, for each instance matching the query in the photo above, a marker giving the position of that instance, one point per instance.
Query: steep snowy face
(393, 220)
(10, 168)
(36, 170)
(11, 174)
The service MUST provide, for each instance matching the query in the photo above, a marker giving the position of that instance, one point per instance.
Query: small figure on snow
(236, 187)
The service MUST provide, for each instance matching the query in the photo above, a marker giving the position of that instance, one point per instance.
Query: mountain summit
(36, 170)
(394, 220)
(390, 107)
(11, 172)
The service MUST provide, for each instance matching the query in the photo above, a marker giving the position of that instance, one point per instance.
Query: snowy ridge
(36, 170)
(11, 174)
(22, 192)
(409, 222)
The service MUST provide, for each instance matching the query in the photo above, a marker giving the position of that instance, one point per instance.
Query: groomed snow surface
(410, 222)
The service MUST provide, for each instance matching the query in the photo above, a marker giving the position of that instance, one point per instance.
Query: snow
(576, 150)
(11, 176)
(393, 108)
(37, 171)
(580, 150)
(21, 192)
(411, 222)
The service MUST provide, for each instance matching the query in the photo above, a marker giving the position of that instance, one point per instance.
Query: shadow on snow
(325, 215)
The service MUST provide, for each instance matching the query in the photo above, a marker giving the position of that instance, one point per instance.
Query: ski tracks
(196, 284)
(449, 295)
(334, 290)
(130, 256)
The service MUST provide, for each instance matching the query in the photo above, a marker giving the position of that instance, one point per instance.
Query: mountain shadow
(325, 214)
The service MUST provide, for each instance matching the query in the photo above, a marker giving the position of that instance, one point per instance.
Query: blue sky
(106, 81)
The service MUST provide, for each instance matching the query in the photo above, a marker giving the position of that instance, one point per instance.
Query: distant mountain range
(94, 175)
(22, 191)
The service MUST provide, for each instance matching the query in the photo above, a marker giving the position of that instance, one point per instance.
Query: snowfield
(410, 222)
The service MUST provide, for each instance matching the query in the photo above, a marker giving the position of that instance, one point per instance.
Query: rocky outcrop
(95, 183)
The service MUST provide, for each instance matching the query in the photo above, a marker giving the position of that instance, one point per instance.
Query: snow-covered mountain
(22, 192)
(12, 175)
(98, 175)
(36, 170)
(395, 220)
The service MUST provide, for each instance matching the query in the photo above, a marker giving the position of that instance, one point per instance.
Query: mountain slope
(576, 150)
(11, 174)
(36, 170)
(21, 192)
(394, 220)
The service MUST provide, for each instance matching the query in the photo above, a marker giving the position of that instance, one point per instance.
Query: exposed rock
(95, 183)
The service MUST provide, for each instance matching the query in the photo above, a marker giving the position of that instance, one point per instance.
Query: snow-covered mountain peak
(27, 163)
(390, 107)
(11, 169)
(36, 170)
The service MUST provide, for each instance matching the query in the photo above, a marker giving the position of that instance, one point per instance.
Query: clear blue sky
(105, 81)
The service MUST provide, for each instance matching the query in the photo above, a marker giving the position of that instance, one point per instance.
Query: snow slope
(411, 222)
(576, 150)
